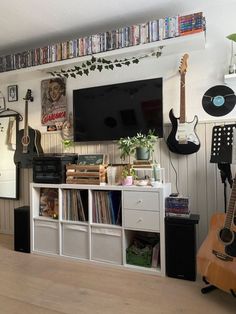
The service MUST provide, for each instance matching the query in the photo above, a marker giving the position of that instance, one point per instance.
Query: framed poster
(54, 104)
(92, 159)
(12, 92)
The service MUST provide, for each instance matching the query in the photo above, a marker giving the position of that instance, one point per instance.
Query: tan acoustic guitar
(216, 258)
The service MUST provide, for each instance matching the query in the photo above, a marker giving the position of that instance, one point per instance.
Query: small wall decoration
(54, 104)
(12, 92)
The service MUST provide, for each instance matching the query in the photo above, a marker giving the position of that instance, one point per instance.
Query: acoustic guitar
(182, 138)
(27, 140)
(216, 258)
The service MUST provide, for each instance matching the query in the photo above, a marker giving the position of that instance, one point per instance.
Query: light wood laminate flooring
(33, 284)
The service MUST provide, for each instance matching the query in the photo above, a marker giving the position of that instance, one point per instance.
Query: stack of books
(177, 207)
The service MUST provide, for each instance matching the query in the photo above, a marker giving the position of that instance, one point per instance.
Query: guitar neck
(26, 130)
(182, 118)
(231, 208)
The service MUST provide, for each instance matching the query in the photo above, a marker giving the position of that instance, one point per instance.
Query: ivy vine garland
(101, 64)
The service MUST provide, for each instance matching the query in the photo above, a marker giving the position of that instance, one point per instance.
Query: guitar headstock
(183, 64)
(28, 95)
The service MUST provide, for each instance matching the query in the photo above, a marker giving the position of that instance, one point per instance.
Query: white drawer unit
(129, 214)
(142, 219)
(141, 200)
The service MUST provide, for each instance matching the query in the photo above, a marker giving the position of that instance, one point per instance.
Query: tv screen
(107, 113)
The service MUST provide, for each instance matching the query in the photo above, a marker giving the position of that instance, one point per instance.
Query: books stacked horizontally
(177, 207)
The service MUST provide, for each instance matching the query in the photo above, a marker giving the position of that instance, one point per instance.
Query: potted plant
(144, 144)
(127, 174)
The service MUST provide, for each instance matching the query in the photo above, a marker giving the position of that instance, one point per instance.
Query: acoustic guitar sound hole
(226, 235)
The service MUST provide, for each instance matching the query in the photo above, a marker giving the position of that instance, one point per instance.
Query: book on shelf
(156, 255)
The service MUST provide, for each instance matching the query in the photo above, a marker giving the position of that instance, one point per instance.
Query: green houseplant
(144, 144)
(141, 143)
(128, 174)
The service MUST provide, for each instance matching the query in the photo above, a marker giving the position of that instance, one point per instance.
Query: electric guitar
(27, 140)
(182, 138)
(216, 258)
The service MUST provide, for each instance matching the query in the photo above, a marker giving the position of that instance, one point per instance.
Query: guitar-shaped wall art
(182, 138)
(27, 140)
(216, 258)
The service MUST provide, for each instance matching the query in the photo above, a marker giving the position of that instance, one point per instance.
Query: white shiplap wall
(196, 176)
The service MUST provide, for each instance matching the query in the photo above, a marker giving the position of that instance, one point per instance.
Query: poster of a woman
(54, 104)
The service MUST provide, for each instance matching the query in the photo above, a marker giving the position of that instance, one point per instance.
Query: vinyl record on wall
(219, 100)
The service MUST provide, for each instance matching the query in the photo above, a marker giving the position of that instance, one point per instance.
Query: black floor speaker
(180, 236)
(22, 229)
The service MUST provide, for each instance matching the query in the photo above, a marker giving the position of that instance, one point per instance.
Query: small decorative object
(12, 91)
(232, 65)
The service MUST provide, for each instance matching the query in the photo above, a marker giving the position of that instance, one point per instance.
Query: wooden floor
(33, 284)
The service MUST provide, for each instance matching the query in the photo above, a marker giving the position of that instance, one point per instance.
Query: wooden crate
(85, 174)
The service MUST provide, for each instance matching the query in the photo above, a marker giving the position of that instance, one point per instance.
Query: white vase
(232, 65)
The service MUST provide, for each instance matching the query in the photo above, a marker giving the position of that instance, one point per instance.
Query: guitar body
(33, 148)
(182, 138)
(216, 260)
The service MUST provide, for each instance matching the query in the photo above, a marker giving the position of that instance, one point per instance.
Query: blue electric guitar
(182, 138)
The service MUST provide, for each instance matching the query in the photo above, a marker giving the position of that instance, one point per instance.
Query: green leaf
(93, 59)
(99, 67)
(232, 37)
(93, 67)
(118, 65)
(80, 73)
(111, 66)
(88, 63)
(73, 75)
(86, 71)
(127, 63)
(77, 68)
(135, 61)
(84, 65)
(66, 75)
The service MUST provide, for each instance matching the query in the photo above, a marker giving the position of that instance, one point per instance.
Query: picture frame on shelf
(12, 92)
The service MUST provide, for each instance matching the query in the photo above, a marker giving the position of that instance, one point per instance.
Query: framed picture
(92, 159)
(12, 92)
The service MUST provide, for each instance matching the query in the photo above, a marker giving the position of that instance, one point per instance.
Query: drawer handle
(139, 201)
(140, 220)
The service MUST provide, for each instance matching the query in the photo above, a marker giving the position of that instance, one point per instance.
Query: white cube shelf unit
(96, 233)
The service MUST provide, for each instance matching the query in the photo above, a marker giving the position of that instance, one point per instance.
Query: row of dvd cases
(150, 31)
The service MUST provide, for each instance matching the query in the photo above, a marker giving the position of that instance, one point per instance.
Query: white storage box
(106, 245)
(75, 240)
(46, 238)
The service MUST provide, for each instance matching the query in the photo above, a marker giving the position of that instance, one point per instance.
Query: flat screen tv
(107, 113)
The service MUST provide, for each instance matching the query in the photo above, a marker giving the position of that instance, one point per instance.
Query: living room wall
(206, 68)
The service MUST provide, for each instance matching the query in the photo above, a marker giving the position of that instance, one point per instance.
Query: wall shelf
(175, 45)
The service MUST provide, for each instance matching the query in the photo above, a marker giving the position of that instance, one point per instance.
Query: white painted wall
(206, 69)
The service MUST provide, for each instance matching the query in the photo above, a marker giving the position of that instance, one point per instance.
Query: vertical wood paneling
(196, 176)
